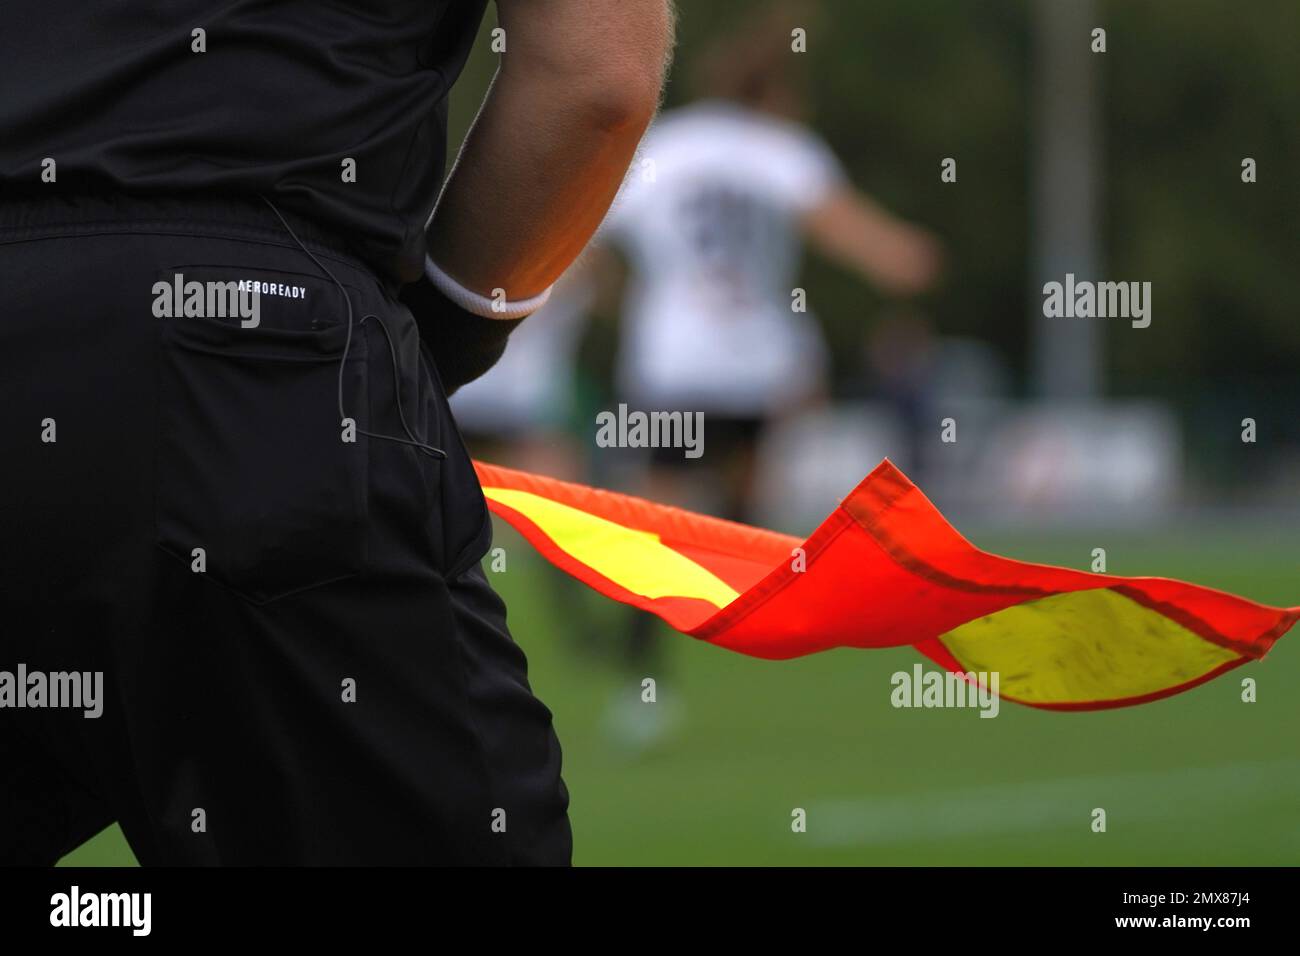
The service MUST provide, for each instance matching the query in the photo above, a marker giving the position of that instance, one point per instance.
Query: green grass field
(1202, 778)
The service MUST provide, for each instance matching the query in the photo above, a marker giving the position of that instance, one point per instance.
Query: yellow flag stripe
(636, 560)
(1083, 646)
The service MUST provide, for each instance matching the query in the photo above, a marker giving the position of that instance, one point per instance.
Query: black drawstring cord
(411, 440)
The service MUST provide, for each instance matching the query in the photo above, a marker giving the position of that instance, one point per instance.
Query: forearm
(552, 143)
(859, 233)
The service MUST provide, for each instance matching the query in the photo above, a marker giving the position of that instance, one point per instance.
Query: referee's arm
(579, 82)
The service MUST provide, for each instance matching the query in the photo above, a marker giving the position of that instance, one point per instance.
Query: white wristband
(481, 304)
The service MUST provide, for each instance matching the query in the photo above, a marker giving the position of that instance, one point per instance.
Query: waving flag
(886, 569)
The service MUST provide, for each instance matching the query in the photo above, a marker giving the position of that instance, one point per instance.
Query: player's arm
(852, 229)
(579, 82)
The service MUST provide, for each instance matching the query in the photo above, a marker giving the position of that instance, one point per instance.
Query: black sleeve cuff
(463, 345)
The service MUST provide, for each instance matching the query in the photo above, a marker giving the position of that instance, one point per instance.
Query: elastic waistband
(190, 214)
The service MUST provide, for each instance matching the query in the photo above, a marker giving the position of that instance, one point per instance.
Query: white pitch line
(937, 815)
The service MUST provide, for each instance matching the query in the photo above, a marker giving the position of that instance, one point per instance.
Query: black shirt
(287, 90)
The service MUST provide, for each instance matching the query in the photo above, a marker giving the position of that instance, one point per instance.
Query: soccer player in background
(713, 219)
(262, 530)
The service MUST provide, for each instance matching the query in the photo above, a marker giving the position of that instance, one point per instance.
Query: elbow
(628, 86)
(609, 98)
(607, 71)
(621, 81)
(623, 104)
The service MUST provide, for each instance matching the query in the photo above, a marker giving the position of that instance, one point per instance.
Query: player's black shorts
(726, 436)
(302, 661)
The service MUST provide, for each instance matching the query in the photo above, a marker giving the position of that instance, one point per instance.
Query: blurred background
(924, 322)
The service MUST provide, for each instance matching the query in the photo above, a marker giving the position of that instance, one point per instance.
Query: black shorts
(302, 661)
(727, 436)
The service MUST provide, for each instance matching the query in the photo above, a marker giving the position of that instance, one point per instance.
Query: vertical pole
(1066, 352)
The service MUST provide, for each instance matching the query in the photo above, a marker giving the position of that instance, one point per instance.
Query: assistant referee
(260, 527)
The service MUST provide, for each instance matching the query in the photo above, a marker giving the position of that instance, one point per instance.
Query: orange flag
(886, 569)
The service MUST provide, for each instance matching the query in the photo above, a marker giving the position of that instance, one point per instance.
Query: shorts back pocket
(253, 465)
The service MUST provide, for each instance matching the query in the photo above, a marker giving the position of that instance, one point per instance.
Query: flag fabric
(886, 569)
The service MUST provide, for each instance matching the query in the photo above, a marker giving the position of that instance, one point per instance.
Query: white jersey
(709, 218)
